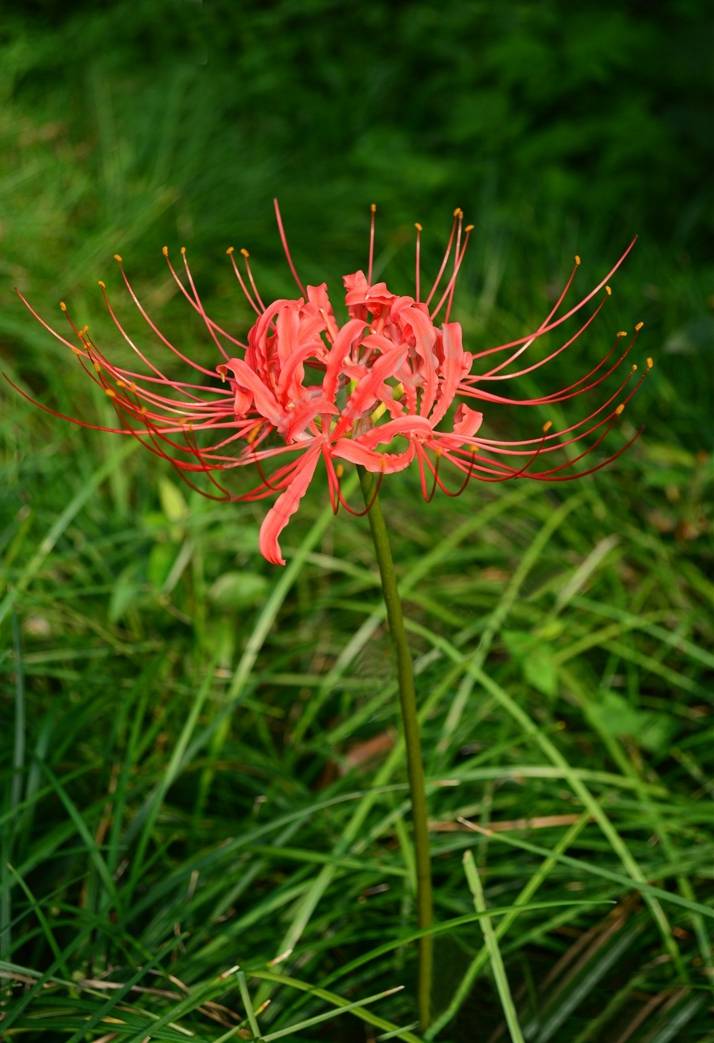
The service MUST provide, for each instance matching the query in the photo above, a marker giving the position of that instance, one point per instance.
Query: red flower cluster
(375, 391)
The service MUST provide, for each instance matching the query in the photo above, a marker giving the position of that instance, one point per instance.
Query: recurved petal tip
(285, 506)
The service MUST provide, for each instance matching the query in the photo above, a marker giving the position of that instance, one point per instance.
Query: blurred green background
(183, 724)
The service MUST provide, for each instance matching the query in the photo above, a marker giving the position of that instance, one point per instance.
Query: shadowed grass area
(204, 788)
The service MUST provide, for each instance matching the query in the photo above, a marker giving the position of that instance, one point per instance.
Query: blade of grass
(365, 1015)
(423, 566)
(529, 726)
(256, 639)
(328, 1015)
(248, 1005)
(73, 508)
(500, 613)
(173, 769)
(480, 960)
(89, 841)
(591, 869)
(491, 940)
(43, 922)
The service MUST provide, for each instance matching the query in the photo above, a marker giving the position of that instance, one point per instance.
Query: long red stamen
(62, 416)
(434, 468)
(562, 394)
(450, 302)
(495, 374)
(130, 375)
(44, 323)
(333, 484)
(152, 325)
(370, 503)
(445, 258)
(480, 468)
(204, 467)
(286, 249)
(553, 311)
(457, 249)
(458, 261)
(236, 271)
(280, 478)
(547, 477)
(514, 448)
(541, 331)
(417, 262)
(587, 451)
(199, 307)
(140, 354)
(509, 477)
(467, 476)
(370, 264)
(246, 261)
(214, 325)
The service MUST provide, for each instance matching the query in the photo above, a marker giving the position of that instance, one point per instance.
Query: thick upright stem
(410, 721)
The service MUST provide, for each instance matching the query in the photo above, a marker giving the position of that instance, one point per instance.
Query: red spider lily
(375, 391)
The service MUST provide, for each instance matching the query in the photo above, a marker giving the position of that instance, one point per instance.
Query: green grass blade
(491, 939)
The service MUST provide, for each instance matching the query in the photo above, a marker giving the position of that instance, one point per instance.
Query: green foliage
(186, 780)
(536, 659)
(620, 719)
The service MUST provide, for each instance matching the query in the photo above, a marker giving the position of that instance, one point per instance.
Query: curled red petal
(285, 506)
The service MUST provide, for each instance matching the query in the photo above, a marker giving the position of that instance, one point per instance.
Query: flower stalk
(410, 722)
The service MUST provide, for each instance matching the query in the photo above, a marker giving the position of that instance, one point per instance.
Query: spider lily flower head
(389, 387)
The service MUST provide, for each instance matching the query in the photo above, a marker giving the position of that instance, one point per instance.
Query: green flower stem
(415, 767)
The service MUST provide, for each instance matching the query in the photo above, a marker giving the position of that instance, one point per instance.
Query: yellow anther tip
(469, 228)
(622, 333)
(165, 251)
(650, 362)
(373, 208)
(577, 260)
(110, 392)
(183, 251)
(230, 250)
(418, 227)
(620, 409)
(245, 252)
(339, 470)
(634, 367)
(118, 258)
(547, 426)
(97, 367)
(608, 291)
(458, 212)
(63, 306)
(639, 326)
(101, 284)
